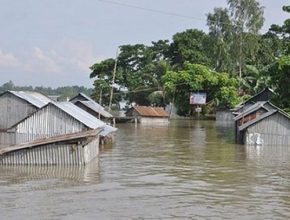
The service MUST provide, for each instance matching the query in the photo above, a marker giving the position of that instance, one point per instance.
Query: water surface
(188, 170)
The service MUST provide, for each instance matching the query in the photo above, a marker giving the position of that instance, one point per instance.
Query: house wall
(54, 154)
(153, 120)
(13, 110)
(224, 116)
(274, 130)
(47, 122)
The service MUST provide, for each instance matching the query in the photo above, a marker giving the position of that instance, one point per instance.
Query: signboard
(197, 98)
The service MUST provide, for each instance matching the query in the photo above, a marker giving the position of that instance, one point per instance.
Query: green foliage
(279, 74)
(220, 40)
(283, 31)
(220, 87)
(193, 61)
(188, 46)
(247, 18)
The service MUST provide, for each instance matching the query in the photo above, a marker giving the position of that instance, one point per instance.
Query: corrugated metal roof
(260, 118)
(96, 108)
(79, 114)
(251, 99)
(81, 97)
(149, 111)
(37, 99)
(107, 129)
(251, 109)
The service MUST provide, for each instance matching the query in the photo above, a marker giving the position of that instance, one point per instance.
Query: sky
(54, 42)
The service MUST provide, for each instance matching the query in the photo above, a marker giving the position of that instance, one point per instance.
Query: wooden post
(136, 121)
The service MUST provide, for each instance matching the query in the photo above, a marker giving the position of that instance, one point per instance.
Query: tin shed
(55, 118)
(263, 124)
(17, 105)
(89, 105)
(58, 133)
(149, 115)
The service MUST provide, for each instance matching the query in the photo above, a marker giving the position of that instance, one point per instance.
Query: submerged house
(148, 115)
(227, 115)
(17, 105)
(263, 96)
(95, 109)
(89, 105)
(263, 124)
(58, 133)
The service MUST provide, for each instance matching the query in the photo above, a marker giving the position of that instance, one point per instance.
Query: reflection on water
(188, 170)
(22, 174)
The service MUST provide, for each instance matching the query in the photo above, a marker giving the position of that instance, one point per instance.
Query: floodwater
(188, 170)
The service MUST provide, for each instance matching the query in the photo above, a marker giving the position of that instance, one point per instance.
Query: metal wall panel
(13, 110)
(153, 121)
(54, 154)
(274, 130)
(224, 116)
(47, 122)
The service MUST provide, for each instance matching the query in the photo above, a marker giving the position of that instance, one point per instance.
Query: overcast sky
(53, 42)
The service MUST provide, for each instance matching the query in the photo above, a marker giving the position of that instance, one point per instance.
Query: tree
(220, 40)
(280, 81)
(247, 17)
(283, 31)
(188, 46)
(139, 70)
(220, 87)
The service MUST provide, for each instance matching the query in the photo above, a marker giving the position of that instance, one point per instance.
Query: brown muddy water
(188, 170)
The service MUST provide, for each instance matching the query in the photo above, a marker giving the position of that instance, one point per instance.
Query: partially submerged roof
(270, 110)
(81, 97)
(263, 95)
(91, 104)
(251, 109)
(35, 98)
(107, 129)
(79, 114)
(267, 106)
(254, 121)
(148, 111)
(94, 106)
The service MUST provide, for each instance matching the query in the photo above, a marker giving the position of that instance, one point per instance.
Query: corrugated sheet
(13, 109)
(107, 129)
(60, 151)
(260, 118)
(81, 97)
(272, 130)
(96, 108)
(263, 95)
(46, 122)
(80, 115)
(35, 98)
(148, 111)
(251, 109)
(55, 119)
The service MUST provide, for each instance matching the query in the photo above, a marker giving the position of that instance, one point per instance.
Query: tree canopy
(233, 57)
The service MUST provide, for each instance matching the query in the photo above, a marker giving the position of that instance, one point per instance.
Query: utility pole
(113, 81)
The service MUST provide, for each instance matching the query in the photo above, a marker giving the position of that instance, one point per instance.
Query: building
(90, 106)
(58, 133)
(17, 105)
(263, 96)
(149, 115)
(227, 115)
(263, 124)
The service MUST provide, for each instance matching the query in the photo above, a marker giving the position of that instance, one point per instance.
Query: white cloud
(8, 60)
(77, 54)
(39, 61)
(66, 63)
